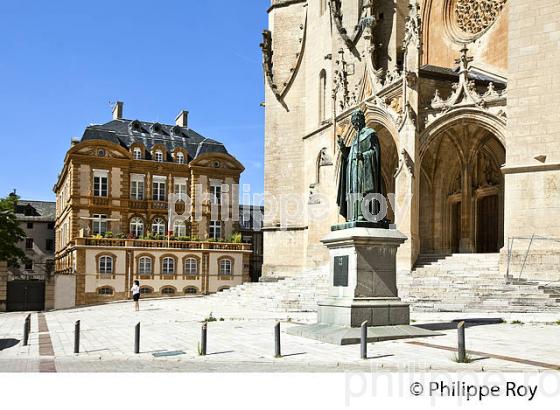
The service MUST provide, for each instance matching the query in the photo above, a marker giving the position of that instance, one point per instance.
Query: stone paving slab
(243, 341)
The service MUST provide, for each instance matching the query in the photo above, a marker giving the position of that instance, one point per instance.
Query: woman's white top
(135, 289)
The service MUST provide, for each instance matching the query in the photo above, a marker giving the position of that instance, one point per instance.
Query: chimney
(118, 110)
(182, 119)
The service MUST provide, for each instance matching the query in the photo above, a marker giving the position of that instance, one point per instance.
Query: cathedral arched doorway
(461, 190)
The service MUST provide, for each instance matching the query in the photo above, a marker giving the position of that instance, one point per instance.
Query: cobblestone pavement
(242, 340)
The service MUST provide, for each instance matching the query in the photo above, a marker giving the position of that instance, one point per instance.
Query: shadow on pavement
(453, 324)
(7, 343)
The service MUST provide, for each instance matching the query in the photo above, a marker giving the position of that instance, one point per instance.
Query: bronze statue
(360, 175)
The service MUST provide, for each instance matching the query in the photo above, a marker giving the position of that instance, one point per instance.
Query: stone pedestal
(363, 279)
(363, 287)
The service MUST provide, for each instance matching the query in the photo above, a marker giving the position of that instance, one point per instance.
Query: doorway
(487, 232)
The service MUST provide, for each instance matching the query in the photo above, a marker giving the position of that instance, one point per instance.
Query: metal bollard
(26, 330)
(203, 338)
(462, 353)
(77, 337)
(137, 338)
(277, 350)
(363, 340)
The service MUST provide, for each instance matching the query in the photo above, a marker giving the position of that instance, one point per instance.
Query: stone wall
(533, 146)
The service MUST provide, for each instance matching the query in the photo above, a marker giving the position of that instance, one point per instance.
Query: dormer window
(180, 158)
(137, 153)
(136, 126)
(158, 155)
(177, 131)
(156, 128)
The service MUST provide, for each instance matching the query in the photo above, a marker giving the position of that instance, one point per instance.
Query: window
(29, 225)
(191, 267)
(137, 227)
(180, 187)
(246, 220)
(158, 155)
(216, 191)
(28, 243)
(99, 224)
(106, 265)
(168, 266)
(322, 95)
(158, 188)
(167, 291)
(29, 266)
(225, 267)
(215, 230)
(100, 183)
(179, 228)
(105, 291)
(137, 187)
(145, 266)
(146, 290)
(137, 153)
(158, 226)
(191, 291)
(49, 245)
(180, 158)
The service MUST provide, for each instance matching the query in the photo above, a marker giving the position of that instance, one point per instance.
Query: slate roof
(127, 132)
(38, 211)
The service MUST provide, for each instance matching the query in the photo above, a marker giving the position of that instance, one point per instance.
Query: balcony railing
(164, 244)
(138, 204)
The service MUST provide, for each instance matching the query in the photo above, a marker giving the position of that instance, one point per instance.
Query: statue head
(358, 120)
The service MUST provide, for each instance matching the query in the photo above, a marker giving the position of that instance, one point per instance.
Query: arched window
(191, 290)
(180, 158)
(105, 291)
(225, 267)
(168, 266)
(158, 226)
(106, 265)
(322, 96)
(137, 153)
(137, 227)
(145, 266)
(158, 155)
(191, 267)
(179, 228)
(146, 290)
(167, 290)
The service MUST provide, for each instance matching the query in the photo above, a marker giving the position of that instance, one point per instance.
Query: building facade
(150, 202)
(462, 94)
(37, 220)
(250, 225)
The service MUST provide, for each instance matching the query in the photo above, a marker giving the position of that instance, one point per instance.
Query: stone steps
(472, 283)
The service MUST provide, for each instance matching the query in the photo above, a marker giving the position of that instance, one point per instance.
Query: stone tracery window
(476, 16)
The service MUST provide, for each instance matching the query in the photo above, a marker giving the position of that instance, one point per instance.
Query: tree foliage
(10, 233)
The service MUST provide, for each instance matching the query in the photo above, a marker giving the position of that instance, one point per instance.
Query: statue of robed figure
(360, 175)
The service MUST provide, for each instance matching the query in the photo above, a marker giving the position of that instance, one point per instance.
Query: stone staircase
(472, 283)
(298, 293)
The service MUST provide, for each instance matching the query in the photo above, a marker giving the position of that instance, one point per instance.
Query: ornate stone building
(463, 95)
(113, 217)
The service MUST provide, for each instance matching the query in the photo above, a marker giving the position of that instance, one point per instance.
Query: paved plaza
(241, 340)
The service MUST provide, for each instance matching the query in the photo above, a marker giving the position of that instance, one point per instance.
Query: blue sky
(62, 62)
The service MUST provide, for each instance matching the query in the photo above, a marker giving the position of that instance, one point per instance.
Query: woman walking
(136, 295)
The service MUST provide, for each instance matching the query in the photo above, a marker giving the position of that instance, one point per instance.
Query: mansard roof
(35, 211)
(128, 132)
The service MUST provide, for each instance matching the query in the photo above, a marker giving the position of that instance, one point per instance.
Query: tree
(10, 233)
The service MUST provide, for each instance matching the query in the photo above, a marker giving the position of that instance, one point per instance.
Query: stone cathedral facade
(464, 96)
